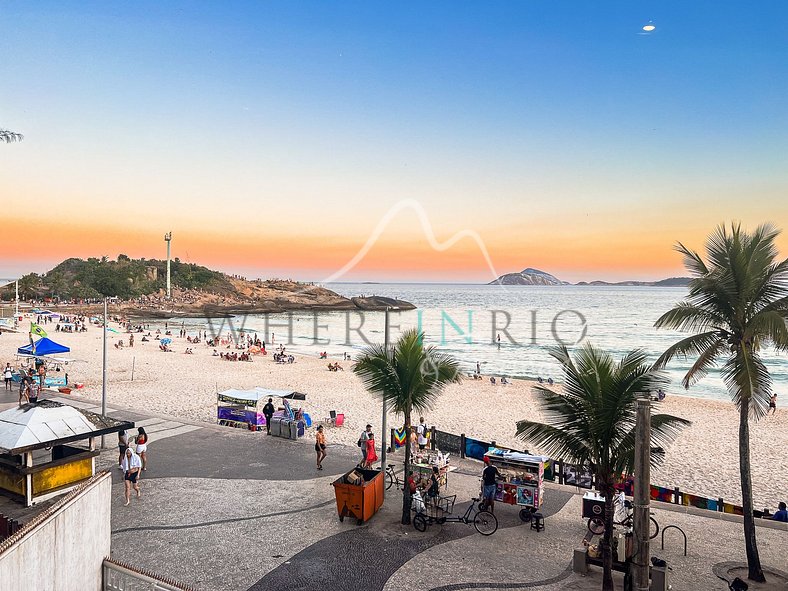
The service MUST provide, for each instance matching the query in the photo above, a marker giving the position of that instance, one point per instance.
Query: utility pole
(104, 372)
(642, 497)
(384, 433)
(168, 239)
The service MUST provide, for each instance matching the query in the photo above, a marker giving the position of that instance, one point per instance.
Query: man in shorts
(421, 431)
(362, 443)
(123, 445)
(490, 477)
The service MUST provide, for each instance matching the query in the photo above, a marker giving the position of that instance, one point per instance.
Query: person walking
(8, 374)
(123, 445)
(268, 413)
(362, 443)
(422, 431)
(131, 466)
(772, 404)
(142, 447)
(320, 447)
(371, 456)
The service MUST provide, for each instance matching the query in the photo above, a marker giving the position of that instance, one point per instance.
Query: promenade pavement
(229, 509)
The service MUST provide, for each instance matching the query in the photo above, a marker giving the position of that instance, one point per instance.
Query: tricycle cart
(439, 510)
(523, 483)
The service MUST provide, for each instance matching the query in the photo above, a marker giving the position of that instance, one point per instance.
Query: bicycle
(392, 478)
(485, 522)
(596, 525)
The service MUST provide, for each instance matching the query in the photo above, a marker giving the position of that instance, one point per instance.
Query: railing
(8, 527)
(119, 576)
(571, 475)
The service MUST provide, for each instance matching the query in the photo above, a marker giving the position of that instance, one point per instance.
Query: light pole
(104, 372)
(168, 239)
(642, 494)
(384, 435)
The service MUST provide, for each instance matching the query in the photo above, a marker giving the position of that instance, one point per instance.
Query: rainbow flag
(399, 437)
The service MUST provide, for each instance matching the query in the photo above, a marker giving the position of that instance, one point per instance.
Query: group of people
(132, 461)
(335, 367)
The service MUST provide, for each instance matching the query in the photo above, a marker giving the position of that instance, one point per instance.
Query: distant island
(139, 285)
(532, 276)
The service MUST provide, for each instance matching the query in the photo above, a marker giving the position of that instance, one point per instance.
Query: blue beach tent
(44, 346)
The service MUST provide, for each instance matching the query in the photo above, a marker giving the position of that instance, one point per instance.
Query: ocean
(466, 320)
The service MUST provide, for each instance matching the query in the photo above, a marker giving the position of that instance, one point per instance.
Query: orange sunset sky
(273, 140)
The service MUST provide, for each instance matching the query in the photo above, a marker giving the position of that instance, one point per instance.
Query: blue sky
(307, 121)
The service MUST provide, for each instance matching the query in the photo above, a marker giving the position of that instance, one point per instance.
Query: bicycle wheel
(596, 526)
(420, 523)
(485, 523)
(389, 479)
(653, 528)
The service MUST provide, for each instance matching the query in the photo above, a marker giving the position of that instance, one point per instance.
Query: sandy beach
(703, 460)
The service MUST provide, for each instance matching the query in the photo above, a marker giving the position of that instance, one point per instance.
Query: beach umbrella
(165, 341)
(112, 330)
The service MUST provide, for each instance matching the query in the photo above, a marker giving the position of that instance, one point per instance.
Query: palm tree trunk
(406, 498)
(607, 556)
(755, 572)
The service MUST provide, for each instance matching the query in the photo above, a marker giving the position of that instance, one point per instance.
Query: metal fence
(119, 576)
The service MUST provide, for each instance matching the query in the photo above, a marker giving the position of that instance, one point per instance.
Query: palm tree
(737, 303)
(9, 136)
(592, 422)
(408, 378)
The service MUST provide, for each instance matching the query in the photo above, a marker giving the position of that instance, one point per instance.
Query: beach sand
(703, 460)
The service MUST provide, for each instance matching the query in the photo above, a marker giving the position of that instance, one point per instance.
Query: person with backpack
(422, 431)
(362, 443)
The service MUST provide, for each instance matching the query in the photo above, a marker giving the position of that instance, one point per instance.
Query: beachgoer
(142, 447)
(434, 485)
(504, 381)
(8, 374)
(781, 514)
(660, 395)
(320, 446)
(550, 381)
(131, 340)
(268, 412)
(372, 455)
(772, 404)
(499, 341)
(123, 444)
(492, 380)
(362, 443)
(478, 368)
(131, 466)
(490, 476)
(421, 430)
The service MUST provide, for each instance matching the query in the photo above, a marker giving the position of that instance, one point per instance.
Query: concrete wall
(63, 552)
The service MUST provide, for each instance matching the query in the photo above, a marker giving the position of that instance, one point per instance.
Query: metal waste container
(359, 494)
(292, 430)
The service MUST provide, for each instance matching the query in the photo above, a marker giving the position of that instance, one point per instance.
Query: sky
(274, 139)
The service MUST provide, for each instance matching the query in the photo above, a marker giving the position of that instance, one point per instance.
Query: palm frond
(692, 345)
(748, 381)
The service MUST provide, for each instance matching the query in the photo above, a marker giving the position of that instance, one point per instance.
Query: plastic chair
(339, 420)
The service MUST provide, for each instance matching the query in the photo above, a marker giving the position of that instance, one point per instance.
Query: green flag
(37, 330)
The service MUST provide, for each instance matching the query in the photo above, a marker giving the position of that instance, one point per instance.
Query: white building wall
(65, 551)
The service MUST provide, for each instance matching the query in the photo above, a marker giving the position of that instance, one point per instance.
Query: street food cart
(423, 461)
(523, 479)
(47, 448)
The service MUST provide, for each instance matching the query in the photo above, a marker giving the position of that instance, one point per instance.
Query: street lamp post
(104, 372)
(384, 436)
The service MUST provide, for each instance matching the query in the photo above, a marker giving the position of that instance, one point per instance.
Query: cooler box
(301, 428)
(276, 426)
(593, 506)
(359, 501)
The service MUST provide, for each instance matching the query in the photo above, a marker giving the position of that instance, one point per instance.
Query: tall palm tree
(9, 136)
(408, 378)
(592, 420)
(737, 303)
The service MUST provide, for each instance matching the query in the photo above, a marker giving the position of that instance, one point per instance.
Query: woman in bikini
(142, 447)
(320, 447)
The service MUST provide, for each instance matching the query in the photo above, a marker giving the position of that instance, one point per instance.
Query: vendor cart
(423, 461)
(523, 480)
(239, 408)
